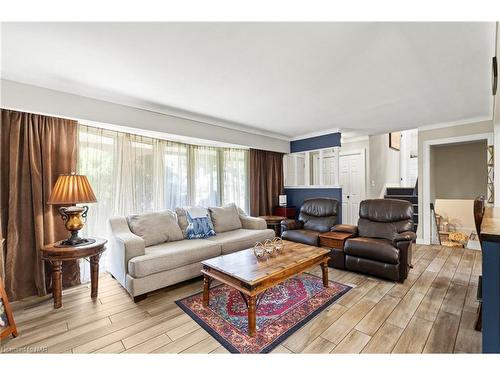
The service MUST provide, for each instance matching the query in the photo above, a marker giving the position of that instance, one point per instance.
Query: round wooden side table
(274, 222)
(56, 255)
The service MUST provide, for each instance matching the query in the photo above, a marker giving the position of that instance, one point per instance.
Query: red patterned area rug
(281, 311)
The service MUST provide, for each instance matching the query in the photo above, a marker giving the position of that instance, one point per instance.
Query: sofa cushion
(155, 227)
(372, 248)
(241, 239)
(194, 211)
(225, 218)
(199, 227)
(308, 237)
(170, 255)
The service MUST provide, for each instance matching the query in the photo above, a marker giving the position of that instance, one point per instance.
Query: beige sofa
(141, 265)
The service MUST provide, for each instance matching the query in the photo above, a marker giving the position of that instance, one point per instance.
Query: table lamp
(71, 189)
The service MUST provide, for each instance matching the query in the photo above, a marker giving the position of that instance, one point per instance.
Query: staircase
(406, 194)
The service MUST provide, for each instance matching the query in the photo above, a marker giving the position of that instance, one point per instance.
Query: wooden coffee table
(242, 271)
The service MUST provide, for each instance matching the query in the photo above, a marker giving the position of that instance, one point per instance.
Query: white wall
(34, 99)
(459, 171)
(384, 165)
(409, 164)
(459, 213)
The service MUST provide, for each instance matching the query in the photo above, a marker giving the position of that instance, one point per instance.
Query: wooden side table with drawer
(335, 241)
(274, 223)
(286, 211)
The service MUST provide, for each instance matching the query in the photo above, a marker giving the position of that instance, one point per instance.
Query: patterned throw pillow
(199, 227)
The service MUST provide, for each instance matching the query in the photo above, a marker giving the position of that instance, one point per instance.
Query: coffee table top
(244, 266)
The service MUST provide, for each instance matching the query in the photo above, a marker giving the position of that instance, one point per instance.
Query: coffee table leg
(206, 290)
(57, 283)
(251, 315)
(324, 268)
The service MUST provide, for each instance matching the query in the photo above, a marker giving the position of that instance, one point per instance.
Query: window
(134, 174)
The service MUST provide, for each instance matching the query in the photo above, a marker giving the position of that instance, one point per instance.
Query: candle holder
(259, 251)
(269, 246)
(278, 245)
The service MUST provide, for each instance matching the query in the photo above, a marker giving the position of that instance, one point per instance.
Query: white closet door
(345, 184)
(352, 180)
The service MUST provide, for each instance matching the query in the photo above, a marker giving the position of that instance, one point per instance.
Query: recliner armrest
(346, 228)
(403, 242)
(290, 224)
(404, 236)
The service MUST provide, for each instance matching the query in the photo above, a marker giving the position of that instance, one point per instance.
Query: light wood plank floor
(433, 311)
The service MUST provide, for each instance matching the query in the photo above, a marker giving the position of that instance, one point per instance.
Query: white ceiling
(288, 79)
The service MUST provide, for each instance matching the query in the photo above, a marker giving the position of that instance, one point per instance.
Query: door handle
(348, 197)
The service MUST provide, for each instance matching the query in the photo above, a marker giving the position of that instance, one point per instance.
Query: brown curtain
(34, 150)
(266, 181)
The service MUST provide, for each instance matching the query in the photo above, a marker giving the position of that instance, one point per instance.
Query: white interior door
(352, 181)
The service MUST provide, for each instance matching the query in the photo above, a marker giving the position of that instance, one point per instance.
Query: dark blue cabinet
(491, 297)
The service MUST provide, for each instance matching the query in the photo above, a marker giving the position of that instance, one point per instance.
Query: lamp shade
(72, 189)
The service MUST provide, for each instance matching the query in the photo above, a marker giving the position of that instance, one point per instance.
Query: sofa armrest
(290, 224)
(249, 222)
(128, 243)
(346, 228)
(124, 245)
(404, 236)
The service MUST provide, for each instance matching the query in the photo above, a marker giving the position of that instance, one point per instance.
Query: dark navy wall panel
(491, 297)
(295, 197)
(313, 143)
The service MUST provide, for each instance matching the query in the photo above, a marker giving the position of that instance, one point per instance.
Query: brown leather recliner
(384, 236)
(317, 215)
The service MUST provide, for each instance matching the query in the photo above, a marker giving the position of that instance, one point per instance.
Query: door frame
(425, 221)
(361, 152)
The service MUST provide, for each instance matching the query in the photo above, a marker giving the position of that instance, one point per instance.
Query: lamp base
(75, 241)
(72, 217)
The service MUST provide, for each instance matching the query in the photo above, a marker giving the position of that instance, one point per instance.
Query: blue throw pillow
(199, 227)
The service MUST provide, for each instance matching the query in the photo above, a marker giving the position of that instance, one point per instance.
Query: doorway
(352, 181)
(429, 189)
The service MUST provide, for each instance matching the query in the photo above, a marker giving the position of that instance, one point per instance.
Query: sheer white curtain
(204, 165)
(133, 174)
(99, 160)
(177, 190)
(235, 177)
(124, 189)
(159, 174)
